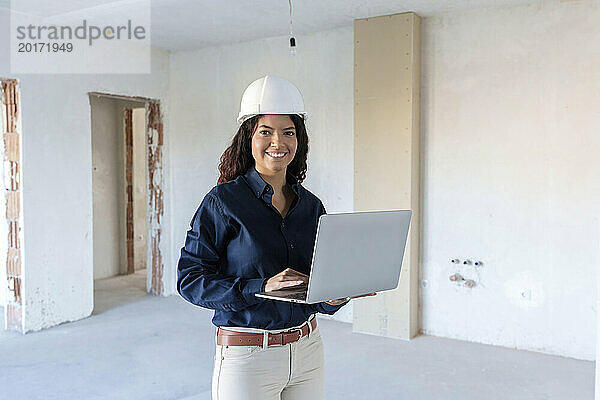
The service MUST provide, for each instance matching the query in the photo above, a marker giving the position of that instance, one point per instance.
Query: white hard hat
(271, 95)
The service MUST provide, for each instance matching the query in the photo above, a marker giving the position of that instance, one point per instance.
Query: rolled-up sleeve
(199, 274)
(323, 307)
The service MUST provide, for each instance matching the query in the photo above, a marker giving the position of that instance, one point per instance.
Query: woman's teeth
(277, 155)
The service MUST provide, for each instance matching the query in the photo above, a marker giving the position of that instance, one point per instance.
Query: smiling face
(274, 143)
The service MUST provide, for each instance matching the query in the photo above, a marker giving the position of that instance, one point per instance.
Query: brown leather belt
(231, 338)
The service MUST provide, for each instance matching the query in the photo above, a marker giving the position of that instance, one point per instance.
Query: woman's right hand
(285, 279)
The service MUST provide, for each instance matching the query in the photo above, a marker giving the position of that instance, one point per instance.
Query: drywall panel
(511, 110)
(386, 155)
(206, 89)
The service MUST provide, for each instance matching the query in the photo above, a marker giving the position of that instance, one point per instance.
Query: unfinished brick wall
(154, 137)
(129, 188)
(11, 126)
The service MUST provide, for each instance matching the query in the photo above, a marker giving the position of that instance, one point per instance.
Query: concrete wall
(57, 184)
(510, 115)
(205, 91)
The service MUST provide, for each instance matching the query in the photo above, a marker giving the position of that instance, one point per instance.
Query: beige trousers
(290, 372)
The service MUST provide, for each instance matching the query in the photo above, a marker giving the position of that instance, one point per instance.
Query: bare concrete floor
(137, 346)
(111, 292)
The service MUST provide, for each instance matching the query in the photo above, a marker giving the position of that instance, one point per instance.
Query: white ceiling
(190, 24)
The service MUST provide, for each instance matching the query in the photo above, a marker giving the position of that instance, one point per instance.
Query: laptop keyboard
(288, 294)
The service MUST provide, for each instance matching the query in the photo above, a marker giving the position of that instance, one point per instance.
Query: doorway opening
(127, 138)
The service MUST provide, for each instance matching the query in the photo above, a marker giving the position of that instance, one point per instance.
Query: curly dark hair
(237, 158)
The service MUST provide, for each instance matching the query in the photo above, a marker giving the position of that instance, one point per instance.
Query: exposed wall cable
(292, 38)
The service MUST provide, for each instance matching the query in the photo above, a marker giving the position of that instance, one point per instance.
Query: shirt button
(283, 224)
(291, 246)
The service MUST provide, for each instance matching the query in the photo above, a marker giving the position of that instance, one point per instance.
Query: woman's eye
(289, 133)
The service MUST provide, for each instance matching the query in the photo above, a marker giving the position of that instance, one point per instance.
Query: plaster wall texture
(510, 115)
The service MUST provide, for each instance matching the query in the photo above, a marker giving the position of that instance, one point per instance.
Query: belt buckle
(283, 335)
(299, 330)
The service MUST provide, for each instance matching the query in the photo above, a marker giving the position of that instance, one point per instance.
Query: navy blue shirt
(237, 241)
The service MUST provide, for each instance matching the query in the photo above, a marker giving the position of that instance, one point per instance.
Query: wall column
(386, 156)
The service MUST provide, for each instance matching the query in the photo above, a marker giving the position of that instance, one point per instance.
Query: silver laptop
(355, 253)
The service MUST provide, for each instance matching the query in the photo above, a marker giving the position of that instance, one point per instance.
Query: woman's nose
(276, 138)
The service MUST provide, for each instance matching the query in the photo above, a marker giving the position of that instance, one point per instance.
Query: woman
(255, 232)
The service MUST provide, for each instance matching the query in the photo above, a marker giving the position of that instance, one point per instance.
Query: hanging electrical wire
(292, 38)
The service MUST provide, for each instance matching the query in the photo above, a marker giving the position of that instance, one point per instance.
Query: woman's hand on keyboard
(286, 279)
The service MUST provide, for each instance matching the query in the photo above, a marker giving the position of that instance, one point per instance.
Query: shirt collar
(259, 186)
